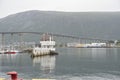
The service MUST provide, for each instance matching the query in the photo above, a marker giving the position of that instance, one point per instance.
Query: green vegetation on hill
(104, 25)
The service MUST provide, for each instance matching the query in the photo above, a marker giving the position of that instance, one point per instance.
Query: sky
(8, 7)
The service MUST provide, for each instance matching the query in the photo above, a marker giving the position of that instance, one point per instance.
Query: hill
(104, 25)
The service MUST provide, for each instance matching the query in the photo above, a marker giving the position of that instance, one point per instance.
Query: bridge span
(53, 34)
(79, 39)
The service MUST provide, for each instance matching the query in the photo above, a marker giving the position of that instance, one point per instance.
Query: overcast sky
(8, 7)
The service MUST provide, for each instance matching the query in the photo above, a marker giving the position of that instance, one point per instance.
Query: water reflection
(7, 58)
(46, 63)
(71, 62)
(105, 54)
(98, 52)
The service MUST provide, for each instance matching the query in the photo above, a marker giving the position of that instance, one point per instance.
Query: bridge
(20, 34)
(57, 35)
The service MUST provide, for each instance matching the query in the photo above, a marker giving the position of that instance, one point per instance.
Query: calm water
(70, 64)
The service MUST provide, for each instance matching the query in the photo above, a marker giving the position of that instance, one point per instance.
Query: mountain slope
(105, 25)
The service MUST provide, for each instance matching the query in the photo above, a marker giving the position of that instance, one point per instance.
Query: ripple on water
(97, 76)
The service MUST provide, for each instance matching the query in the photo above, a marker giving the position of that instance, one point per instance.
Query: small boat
(11, 52)
(46, 47)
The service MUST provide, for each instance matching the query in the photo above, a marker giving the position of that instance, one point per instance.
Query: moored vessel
(11, 52)
(46, 47)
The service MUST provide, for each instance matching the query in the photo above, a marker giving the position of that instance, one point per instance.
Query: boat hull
(10, 52)
(42, 52)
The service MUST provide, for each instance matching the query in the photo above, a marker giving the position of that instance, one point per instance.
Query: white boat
(46, 47)
(9, 51)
